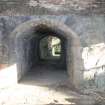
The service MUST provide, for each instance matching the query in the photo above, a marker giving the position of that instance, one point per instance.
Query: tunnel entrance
(50, 66)
(47, 48)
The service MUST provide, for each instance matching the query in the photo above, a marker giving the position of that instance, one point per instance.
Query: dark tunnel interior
(40, 50)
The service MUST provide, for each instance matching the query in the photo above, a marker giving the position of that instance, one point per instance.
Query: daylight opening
(50, 48)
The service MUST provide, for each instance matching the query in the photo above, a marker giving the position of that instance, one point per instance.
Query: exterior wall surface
(51, 7)
(90, 29)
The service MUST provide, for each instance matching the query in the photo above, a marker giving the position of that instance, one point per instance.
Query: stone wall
(90, 29)
(59, 7)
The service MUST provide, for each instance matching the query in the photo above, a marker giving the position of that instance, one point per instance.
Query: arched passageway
(27, 45)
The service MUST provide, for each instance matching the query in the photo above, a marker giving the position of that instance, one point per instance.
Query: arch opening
(50, 48)
(29, 49)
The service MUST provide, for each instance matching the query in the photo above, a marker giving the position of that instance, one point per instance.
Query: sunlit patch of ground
(12, 93)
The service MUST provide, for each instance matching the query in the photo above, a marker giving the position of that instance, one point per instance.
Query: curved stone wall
(27, 31)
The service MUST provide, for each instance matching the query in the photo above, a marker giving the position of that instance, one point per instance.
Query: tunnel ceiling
(30, 7)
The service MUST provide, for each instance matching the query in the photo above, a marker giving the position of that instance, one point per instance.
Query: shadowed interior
(44, 67)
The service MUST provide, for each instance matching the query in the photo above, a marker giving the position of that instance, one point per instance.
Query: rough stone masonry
(85, 18)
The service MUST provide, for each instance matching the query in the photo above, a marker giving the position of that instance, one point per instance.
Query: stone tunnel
(27, 38)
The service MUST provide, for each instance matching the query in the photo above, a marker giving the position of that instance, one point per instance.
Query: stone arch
(27, 31)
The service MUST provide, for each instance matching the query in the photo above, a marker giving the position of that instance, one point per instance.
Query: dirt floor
(45, 76)
(35, 88)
